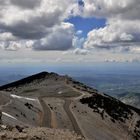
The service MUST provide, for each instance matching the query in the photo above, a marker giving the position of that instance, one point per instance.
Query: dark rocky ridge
(38, 78)
(117, 110)
(27, 80)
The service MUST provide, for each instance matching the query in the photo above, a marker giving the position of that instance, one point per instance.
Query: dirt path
(53, 120)
(83, 93)
(46, 120)
(71, 117)
(49, 117)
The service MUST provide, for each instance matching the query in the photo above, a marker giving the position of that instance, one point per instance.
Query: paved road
(46, 122)
(71, 117)
(47, 115)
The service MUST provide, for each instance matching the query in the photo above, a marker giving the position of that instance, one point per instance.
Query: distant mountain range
(48, 100)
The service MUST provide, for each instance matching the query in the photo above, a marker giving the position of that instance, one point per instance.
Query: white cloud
(29, 4)
(60, 38)
(135, 49)
(16, 45)
(36, 21)
(29, 43)
(122, 30)
(6, 36)
(79, 32)
(12, 46)
(109, 8)
(78, 42)
(79, 51)
(39, 24)
(126, 37)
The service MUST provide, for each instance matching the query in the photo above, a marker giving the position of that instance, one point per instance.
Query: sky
(85, 25)
(69, 31)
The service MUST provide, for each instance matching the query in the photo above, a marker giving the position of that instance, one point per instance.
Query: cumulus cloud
(108, 8)
(79, 51)
(10, 45)
(6, 36)
(79, 32)
(115, 34)
(39, 24)
(122, 30)
(13, 46)
(78, 41)
(29, 4)
(29, 24)
(36, 20)
(60, 38)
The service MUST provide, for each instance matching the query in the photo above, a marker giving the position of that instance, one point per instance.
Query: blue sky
(87, 24)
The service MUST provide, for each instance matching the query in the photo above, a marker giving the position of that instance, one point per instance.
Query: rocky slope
(59, 102)
(36, 133)
(130, 99)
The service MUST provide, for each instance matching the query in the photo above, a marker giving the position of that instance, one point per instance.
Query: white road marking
(60, 92)
(19, 97)
(6, 114)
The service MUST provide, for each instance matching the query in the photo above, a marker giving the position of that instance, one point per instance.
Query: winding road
(71, 116)
(49, 117)
(46, 120)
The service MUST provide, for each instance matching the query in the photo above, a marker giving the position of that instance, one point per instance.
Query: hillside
(59, 102)
(130, 98)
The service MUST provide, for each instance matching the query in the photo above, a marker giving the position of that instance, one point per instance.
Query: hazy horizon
(111, 78)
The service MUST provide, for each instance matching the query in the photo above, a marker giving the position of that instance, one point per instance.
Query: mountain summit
(59, 102)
